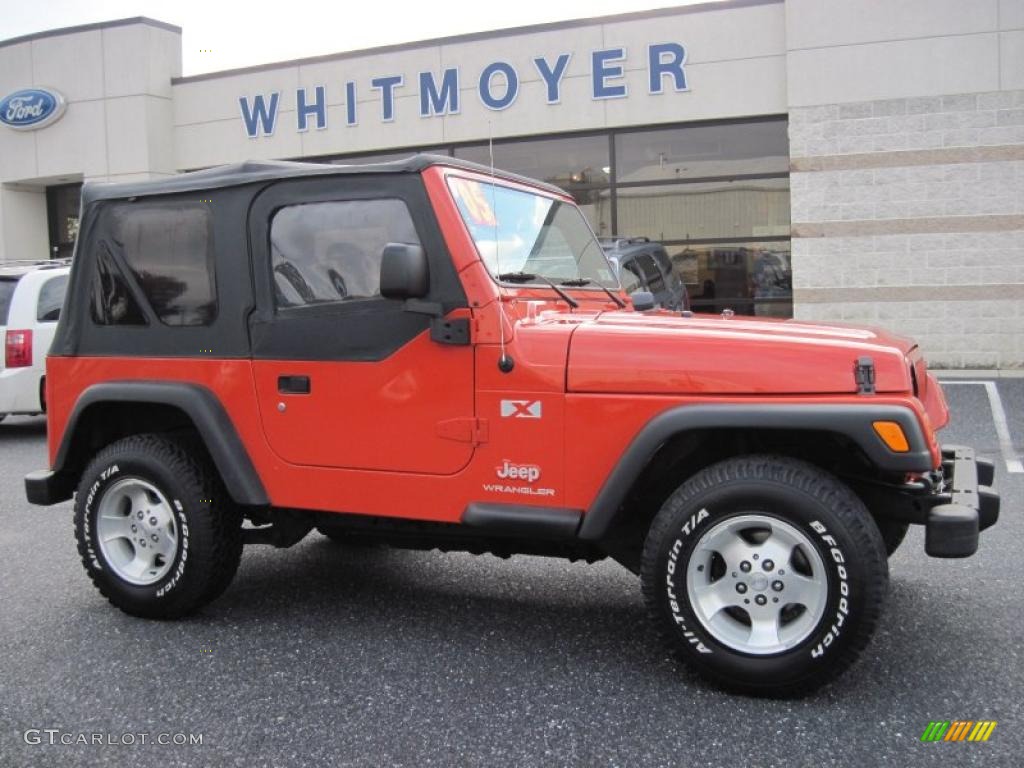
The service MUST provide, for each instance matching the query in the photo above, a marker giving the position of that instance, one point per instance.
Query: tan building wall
(116, 80)
(907, 160)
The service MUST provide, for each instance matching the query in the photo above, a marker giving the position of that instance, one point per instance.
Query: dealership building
(835, 160)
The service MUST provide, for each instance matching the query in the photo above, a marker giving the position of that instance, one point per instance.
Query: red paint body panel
(606, 424)
(371, 415)
(666, 353)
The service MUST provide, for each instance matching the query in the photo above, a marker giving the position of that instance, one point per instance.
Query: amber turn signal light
(892, 435)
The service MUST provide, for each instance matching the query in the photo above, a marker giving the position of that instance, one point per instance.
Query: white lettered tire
(157, 532)
(765, 574)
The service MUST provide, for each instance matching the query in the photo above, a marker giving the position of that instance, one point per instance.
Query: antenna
(505, 363)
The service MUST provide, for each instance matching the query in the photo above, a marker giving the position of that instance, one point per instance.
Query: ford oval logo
(31, 108)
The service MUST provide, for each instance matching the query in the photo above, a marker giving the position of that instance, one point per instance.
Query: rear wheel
(157, 532)
(765, 574)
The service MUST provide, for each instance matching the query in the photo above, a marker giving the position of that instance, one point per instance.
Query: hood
(664, 353)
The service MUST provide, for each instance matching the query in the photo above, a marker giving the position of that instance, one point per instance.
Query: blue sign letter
(387, 86)
(318, 108)
(444, 103)
(658, 67)
(259, 115)
(511, 85)
(604, 70)
(350, 103)
(553, 75)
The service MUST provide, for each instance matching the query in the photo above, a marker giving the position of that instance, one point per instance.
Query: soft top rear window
(7, 286)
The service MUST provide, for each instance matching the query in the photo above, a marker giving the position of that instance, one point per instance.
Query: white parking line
(1013, 464)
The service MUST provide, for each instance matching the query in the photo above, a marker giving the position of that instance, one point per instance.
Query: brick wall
(910, 213)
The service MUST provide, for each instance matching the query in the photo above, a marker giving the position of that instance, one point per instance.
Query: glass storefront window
(702, 151)
(567, 163)
(596, 205)
(702, 211)
(748, 278)
(62, 202)
(578, 164)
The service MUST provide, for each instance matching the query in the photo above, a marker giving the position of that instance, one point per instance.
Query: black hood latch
(864, 375)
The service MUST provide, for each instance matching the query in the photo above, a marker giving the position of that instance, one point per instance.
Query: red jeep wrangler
(428, 354)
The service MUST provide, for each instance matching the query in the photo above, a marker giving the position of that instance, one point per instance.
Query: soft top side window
(330, 252)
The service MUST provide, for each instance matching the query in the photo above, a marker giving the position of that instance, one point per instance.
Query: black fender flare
(205, 411)
(853, 421)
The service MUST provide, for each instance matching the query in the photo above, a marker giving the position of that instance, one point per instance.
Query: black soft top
(265, 170)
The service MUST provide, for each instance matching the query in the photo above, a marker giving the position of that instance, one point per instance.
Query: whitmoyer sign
(497, 87)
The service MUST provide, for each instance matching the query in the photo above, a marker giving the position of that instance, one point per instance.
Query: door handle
(293, 385)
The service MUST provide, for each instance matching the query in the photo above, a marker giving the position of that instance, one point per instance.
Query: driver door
(344, 377)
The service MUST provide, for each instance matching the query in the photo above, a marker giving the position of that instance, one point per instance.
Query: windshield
(523, 233)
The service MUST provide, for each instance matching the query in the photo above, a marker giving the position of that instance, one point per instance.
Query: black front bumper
(45, 487)
(965, 505)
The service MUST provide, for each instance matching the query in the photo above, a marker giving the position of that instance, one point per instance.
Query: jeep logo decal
(509, 471)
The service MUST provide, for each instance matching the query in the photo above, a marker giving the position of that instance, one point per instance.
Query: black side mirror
(642, 301)
(404, 273)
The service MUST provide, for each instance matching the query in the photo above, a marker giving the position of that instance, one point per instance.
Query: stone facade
(910, 213)
(906, 125)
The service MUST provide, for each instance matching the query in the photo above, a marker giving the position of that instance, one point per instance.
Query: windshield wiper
(528, 277)
(581, 281)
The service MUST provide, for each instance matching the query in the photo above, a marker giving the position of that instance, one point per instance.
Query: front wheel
(157, 532)
(765, 574)
(893, 532)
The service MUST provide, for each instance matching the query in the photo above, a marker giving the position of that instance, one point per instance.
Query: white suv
(31, 297)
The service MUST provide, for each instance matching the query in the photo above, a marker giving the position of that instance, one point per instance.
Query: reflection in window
(517, 231)
(112, 301)
(702, 151)
(7, 286)
(324, 253)
(577, 164)
(168, 247)
(721, 209)
(51, 299)
(748, 278)
(630, 277)
(567, 162)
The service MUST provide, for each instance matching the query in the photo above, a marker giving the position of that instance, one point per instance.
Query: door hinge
(454, 331)
(466, 430)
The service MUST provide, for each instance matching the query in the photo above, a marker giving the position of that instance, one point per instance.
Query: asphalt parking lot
(320, 655)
